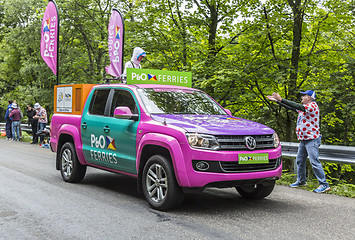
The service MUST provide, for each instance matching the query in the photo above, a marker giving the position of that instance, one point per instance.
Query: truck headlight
(204, 141)
(276, 140)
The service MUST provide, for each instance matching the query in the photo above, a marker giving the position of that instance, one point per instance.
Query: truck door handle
(83, 125)
(106, 129)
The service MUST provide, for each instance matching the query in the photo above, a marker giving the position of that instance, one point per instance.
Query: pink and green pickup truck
(170, 138)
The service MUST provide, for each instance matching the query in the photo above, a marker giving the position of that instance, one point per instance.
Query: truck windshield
(179, 101)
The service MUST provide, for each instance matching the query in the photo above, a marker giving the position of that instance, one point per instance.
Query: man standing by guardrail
(8, 125)
(15, 115)
(308, 133)
(31, 112)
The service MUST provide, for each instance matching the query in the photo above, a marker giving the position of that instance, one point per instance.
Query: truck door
(92, 120)
(107, 141)
(122, 133)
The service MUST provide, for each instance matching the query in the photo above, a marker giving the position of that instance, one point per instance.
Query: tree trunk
(292, 91)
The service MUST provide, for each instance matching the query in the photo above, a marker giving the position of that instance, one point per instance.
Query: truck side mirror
(228, 111)
(124, 113)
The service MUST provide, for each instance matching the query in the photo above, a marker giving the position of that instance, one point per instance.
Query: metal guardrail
(329, 153)
(24, 127)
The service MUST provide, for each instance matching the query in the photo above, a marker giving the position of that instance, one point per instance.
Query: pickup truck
(170, 138)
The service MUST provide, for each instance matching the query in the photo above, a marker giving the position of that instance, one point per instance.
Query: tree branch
(269, 35)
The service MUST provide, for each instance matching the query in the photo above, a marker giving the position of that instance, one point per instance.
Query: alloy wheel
(157, 183)
(67, 163)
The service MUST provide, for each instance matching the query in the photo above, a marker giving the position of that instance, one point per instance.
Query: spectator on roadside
(18, 107)
(137, 57)
(31, 112)
(308, 133)
(8, 120)
(15, 115)
(41, 115)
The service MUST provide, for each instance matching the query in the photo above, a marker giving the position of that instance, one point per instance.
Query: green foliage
(339, 173)
(347, 190)
(286, 178)
(339, 176)
(26, 137)
(239, 51)
(341, 189)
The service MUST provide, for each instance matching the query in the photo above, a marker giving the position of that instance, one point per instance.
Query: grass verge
(340, 189)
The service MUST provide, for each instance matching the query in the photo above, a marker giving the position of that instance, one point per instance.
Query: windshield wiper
(184, 113)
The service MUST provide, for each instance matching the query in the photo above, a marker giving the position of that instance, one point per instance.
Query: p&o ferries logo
(46, 25)
(103, 144)
(117, 32)
(152, 77)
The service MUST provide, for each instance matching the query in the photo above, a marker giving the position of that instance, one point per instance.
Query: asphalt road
(35, 203)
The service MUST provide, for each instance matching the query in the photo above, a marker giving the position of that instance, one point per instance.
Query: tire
(256, 191)
(70, 168)
(159, 184)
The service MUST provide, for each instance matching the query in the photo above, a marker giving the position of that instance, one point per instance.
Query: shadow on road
(224, 200)
(209, 201)
(118, 183)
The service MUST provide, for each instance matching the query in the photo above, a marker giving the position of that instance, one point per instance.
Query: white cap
(36, 106)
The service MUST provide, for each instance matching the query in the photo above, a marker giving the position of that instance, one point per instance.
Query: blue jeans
(41, 126)
(15, 130)
(310, 148)
(8, 127)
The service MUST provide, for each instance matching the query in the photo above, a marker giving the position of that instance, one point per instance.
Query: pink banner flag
(115, 44)
(49, 36)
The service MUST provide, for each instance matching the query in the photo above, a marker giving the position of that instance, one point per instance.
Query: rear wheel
(159, 184)
(70, 168)
(257, 191)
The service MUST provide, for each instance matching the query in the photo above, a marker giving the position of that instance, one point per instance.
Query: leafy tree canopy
(239, 51)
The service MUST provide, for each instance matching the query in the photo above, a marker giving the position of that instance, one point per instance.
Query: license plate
(253, 158)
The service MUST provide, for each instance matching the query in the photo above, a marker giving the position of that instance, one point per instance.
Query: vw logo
(250, 143)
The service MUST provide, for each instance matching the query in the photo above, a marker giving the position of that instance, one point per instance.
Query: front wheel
(159, 184)
(256, 191)
(70, 168)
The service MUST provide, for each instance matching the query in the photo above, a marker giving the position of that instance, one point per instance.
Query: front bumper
(232, 174)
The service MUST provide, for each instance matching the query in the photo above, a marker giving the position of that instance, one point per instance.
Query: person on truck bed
(137, 57)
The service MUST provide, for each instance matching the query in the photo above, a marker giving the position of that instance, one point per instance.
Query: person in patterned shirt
(41, 115)
(308, 133)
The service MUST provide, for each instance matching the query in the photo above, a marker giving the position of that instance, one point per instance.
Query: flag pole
(57, 75)
(116, 33)
(123, 35)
